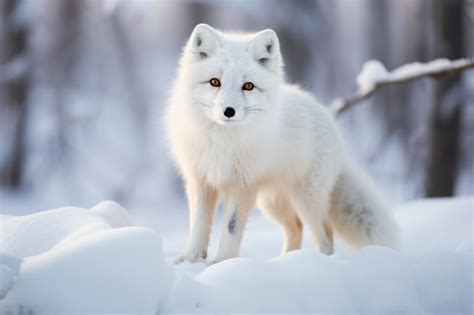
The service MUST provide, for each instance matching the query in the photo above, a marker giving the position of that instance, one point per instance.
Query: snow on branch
(374, 76)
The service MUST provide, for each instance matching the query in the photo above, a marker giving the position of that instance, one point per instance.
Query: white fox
(238, 132)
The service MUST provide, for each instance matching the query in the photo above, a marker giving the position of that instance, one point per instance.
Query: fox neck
(238, 155)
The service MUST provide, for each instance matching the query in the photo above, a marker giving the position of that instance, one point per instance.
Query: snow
(428, 225)
(76, 260)
(373, 71)
(418, 68)
(9, 268)
(24, 236)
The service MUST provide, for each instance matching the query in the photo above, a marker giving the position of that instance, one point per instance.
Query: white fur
(281, 148)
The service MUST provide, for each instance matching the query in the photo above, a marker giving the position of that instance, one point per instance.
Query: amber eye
(215, 82)
(248, 86)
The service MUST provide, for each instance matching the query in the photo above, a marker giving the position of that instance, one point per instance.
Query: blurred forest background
(83, 84)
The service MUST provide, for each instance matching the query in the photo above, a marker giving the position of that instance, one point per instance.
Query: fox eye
(215, 82)
(248, 86)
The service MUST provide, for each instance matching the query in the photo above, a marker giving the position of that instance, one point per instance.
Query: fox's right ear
(204, 41)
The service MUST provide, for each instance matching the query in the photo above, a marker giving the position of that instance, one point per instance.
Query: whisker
(202, 102)
(254, 110)
(250, 114)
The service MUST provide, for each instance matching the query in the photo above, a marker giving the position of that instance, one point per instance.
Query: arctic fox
(239, 133)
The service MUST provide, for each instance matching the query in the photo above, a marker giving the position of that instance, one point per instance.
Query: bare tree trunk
(14, 61)
(62, 58)
(444, 133)
(130, 66)
(137, 100)
(298, 50)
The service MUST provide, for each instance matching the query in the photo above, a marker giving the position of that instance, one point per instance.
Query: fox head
(232, 79)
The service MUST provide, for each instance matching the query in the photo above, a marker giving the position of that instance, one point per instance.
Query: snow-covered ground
(74, 260)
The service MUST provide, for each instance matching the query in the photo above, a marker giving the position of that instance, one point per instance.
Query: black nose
(229, 112)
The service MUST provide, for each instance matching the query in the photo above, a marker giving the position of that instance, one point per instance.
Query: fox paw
(193, 258)
(213, 262)
(218, 260)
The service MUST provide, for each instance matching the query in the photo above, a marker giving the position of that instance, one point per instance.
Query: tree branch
(15, 70)
(341, 105)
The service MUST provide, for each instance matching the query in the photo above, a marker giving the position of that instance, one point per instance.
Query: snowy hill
(73, 260)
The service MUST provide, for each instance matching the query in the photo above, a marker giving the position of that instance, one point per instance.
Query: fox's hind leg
(312, 207)
(281, 211)
(293, 230)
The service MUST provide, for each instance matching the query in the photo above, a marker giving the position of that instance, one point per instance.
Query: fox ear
(204, 41)
(265, 48)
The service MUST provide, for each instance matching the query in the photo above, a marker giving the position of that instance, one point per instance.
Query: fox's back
(308, 133)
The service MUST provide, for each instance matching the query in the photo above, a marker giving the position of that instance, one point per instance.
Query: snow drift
(73, 260)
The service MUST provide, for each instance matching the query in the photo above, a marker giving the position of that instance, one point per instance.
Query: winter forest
(83, 87)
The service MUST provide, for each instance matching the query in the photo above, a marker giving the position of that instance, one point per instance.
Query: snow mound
(9, 269)
(376, 280)
(76, 262)
(431, 274)
(113, 213)
(23, 236)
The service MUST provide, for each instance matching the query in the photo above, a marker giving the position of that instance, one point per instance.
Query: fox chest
(221, 163)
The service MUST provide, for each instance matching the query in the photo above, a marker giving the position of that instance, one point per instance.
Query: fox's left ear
(266, 49)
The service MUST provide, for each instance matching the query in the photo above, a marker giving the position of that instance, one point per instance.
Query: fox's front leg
(202, 203)
(237, 206)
